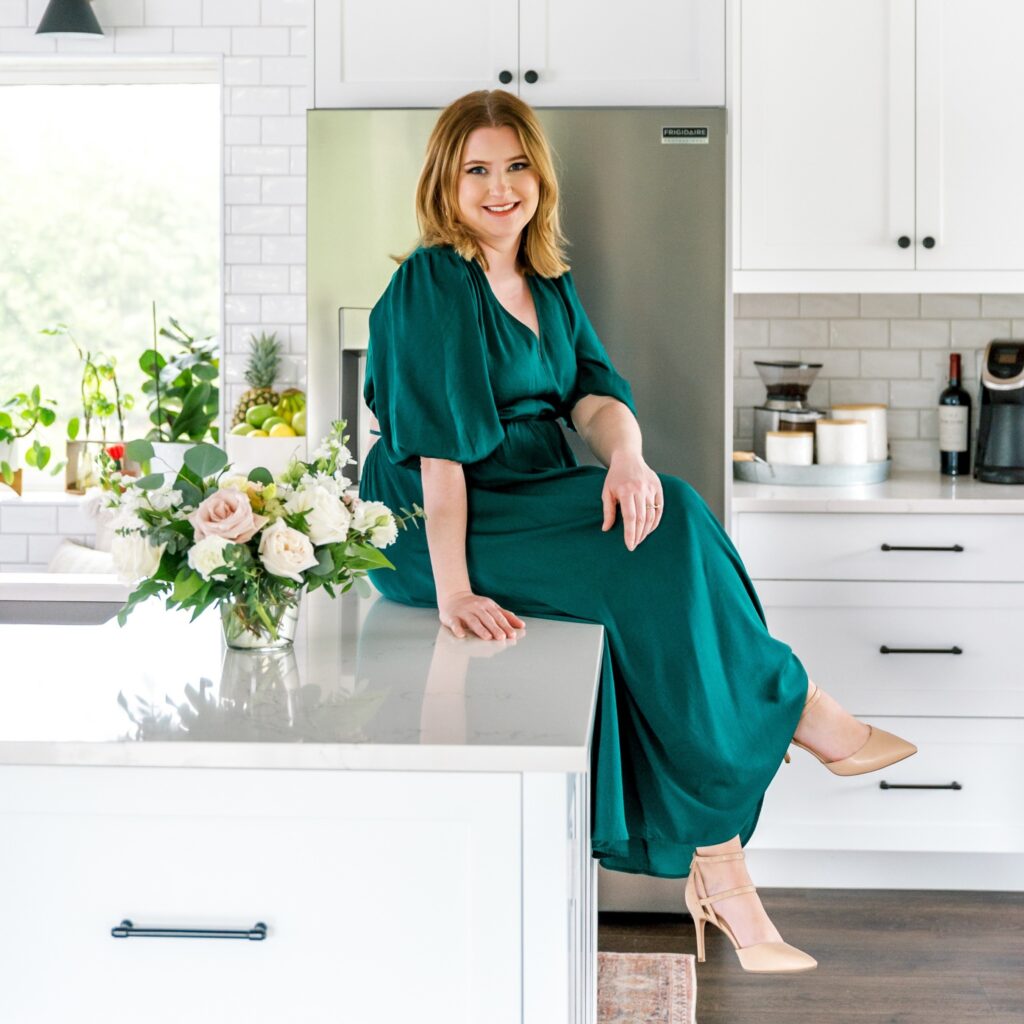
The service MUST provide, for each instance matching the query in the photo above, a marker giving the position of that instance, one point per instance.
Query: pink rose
(226, 514)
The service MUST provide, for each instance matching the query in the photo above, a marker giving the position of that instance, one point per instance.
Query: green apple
(299, 423)
(241, 429)
(258, 413)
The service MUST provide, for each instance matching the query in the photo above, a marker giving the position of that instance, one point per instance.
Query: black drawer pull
(893, 785)
(884, 649)
(904, 547)
(126, 930)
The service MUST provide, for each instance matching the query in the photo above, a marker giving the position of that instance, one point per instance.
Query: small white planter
(272, 453)
(169, 457)
(10, 452)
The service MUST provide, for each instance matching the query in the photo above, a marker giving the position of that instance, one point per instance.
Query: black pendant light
(69, 17)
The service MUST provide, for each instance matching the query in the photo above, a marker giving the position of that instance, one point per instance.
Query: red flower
(116, 452)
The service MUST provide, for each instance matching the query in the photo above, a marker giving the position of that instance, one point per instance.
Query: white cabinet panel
(969, 148)
(411, 54)
(388, 896)
(827, 134)
(808, 808)
(952, 649)
(604, 52)
(849, 546)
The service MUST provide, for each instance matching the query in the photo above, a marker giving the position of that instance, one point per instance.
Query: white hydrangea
(376, 518)
(163, 498)
(208, 555)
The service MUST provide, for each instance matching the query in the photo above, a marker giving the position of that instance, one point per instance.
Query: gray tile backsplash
(874, 348)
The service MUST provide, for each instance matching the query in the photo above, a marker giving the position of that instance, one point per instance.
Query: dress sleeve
(427, 376)
(595, 372)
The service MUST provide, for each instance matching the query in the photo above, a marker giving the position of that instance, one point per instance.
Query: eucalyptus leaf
(205, 459)
(139, 450)
(150, 482)
(261, 476)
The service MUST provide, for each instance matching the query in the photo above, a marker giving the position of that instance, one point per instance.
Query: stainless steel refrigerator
(645, 207)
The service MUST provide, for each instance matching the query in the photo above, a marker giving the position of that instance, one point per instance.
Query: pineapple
(264, 359)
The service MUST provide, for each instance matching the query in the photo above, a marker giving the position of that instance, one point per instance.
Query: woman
(477, 347)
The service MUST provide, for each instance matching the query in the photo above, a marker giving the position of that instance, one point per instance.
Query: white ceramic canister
(789, 447)
(841, 442)
(875, 415)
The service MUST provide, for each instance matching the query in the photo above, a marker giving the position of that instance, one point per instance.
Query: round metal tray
(814, 476)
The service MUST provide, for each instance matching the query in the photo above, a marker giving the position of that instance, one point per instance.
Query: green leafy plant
(183, 396)
(102, 397)
(19, 416)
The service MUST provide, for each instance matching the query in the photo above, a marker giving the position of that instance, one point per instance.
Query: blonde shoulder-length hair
(542, 248)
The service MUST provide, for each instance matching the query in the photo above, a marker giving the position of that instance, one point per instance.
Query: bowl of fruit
(269, 427)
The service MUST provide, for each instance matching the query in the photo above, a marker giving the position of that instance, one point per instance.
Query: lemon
(282, 430)
(257, 433)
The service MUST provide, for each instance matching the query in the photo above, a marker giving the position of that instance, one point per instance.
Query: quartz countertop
(904, 491)
(369, 684)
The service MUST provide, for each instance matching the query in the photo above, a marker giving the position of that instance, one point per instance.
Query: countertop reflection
(368, 684)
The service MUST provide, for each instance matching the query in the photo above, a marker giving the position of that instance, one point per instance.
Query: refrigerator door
(644, 207)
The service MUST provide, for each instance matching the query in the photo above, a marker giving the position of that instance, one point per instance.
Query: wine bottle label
(952, 428)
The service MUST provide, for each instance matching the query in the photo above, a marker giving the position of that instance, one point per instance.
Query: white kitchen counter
(373, 685)
(904, 491)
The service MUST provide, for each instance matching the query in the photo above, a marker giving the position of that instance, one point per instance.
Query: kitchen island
(383, 824)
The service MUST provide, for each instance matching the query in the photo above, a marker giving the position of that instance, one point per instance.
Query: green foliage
(20, 415)
(183, 397)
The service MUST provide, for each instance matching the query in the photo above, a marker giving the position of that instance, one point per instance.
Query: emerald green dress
(697, 701)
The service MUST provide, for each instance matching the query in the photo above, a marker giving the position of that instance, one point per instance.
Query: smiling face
(498, 189)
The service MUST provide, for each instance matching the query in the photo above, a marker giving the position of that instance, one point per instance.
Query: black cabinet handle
(928, 242)
(903, 547)
(904, 242)
(531, 77)
(920, 650)
(893, 785)
(505, 77)
(126, 930)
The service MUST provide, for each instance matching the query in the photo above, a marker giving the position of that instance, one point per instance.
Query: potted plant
(102, 400)
(19, 416)
(183, 396)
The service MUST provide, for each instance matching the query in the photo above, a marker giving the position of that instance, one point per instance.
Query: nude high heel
(879, 750)
(760, 958)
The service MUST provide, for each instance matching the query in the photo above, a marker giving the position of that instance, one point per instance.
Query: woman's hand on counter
(464, 610)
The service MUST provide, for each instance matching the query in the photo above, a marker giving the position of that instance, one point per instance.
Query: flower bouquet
(250, 545)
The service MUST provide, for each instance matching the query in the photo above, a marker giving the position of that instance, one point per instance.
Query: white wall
(266, 47)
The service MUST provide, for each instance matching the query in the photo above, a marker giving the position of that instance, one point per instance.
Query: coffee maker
(1000, 453)
(786, 406)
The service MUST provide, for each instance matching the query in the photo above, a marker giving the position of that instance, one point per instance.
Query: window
(110, 200)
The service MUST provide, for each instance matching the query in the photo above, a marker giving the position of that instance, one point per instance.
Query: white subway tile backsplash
(258, 160)
(74, 519)
(297, 220)
(297, 279)
(289, 309)
(13, 547)
(285, 12)
(978, 333)
(259, 100)
(202, 40)
(886, 305)
(929, 422)
(231, 12)
(834, 362)
(750, 355)
(258, 220)
(901, 423)
(798, 333)
(829, 305)
(241, 189)
(242, 249)
(242, 71)
(301, 100)
(25, 40)
(859, 391)
(257, 279)
(912, 394)
(858, 333)
(283, 131)
(768, 305)
(919, 334)
(174, 12)
(285, 71)
(890, 364)
(13, 13)
(241, 131)
(950, 305)
(284, 189)
(86, 44)
(750, 333)
(143, 40)
(297, 159)
(300, 42)
(262, 41)
(1002, 305)
(915, 455)
(17, 518)
(284, 249)
(118, 13)
(42, 547)
(241, 308)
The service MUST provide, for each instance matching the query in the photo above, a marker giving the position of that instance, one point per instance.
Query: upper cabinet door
(826, 155)
(970, 147)
(412, 54)
(607, 53)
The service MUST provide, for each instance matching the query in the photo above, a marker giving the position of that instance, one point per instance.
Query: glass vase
(246, 631)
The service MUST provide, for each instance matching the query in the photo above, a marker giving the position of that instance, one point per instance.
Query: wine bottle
(955, 424)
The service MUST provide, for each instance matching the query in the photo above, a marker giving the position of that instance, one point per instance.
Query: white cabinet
(550, 52)
(911, 621)
(876, 150)
(386, 896)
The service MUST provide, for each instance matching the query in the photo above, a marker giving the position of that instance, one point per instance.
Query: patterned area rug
(646, 988)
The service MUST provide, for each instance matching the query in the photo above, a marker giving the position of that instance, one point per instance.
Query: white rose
(286, 552)
(326, 515)
(376, 518)
(134, 557)
(208, 555)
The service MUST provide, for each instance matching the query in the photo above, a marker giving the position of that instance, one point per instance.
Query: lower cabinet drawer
(387, 896)
(973, 768)
(906, 648)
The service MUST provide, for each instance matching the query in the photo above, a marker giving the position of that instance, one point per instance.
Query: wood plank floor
(884, 957)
